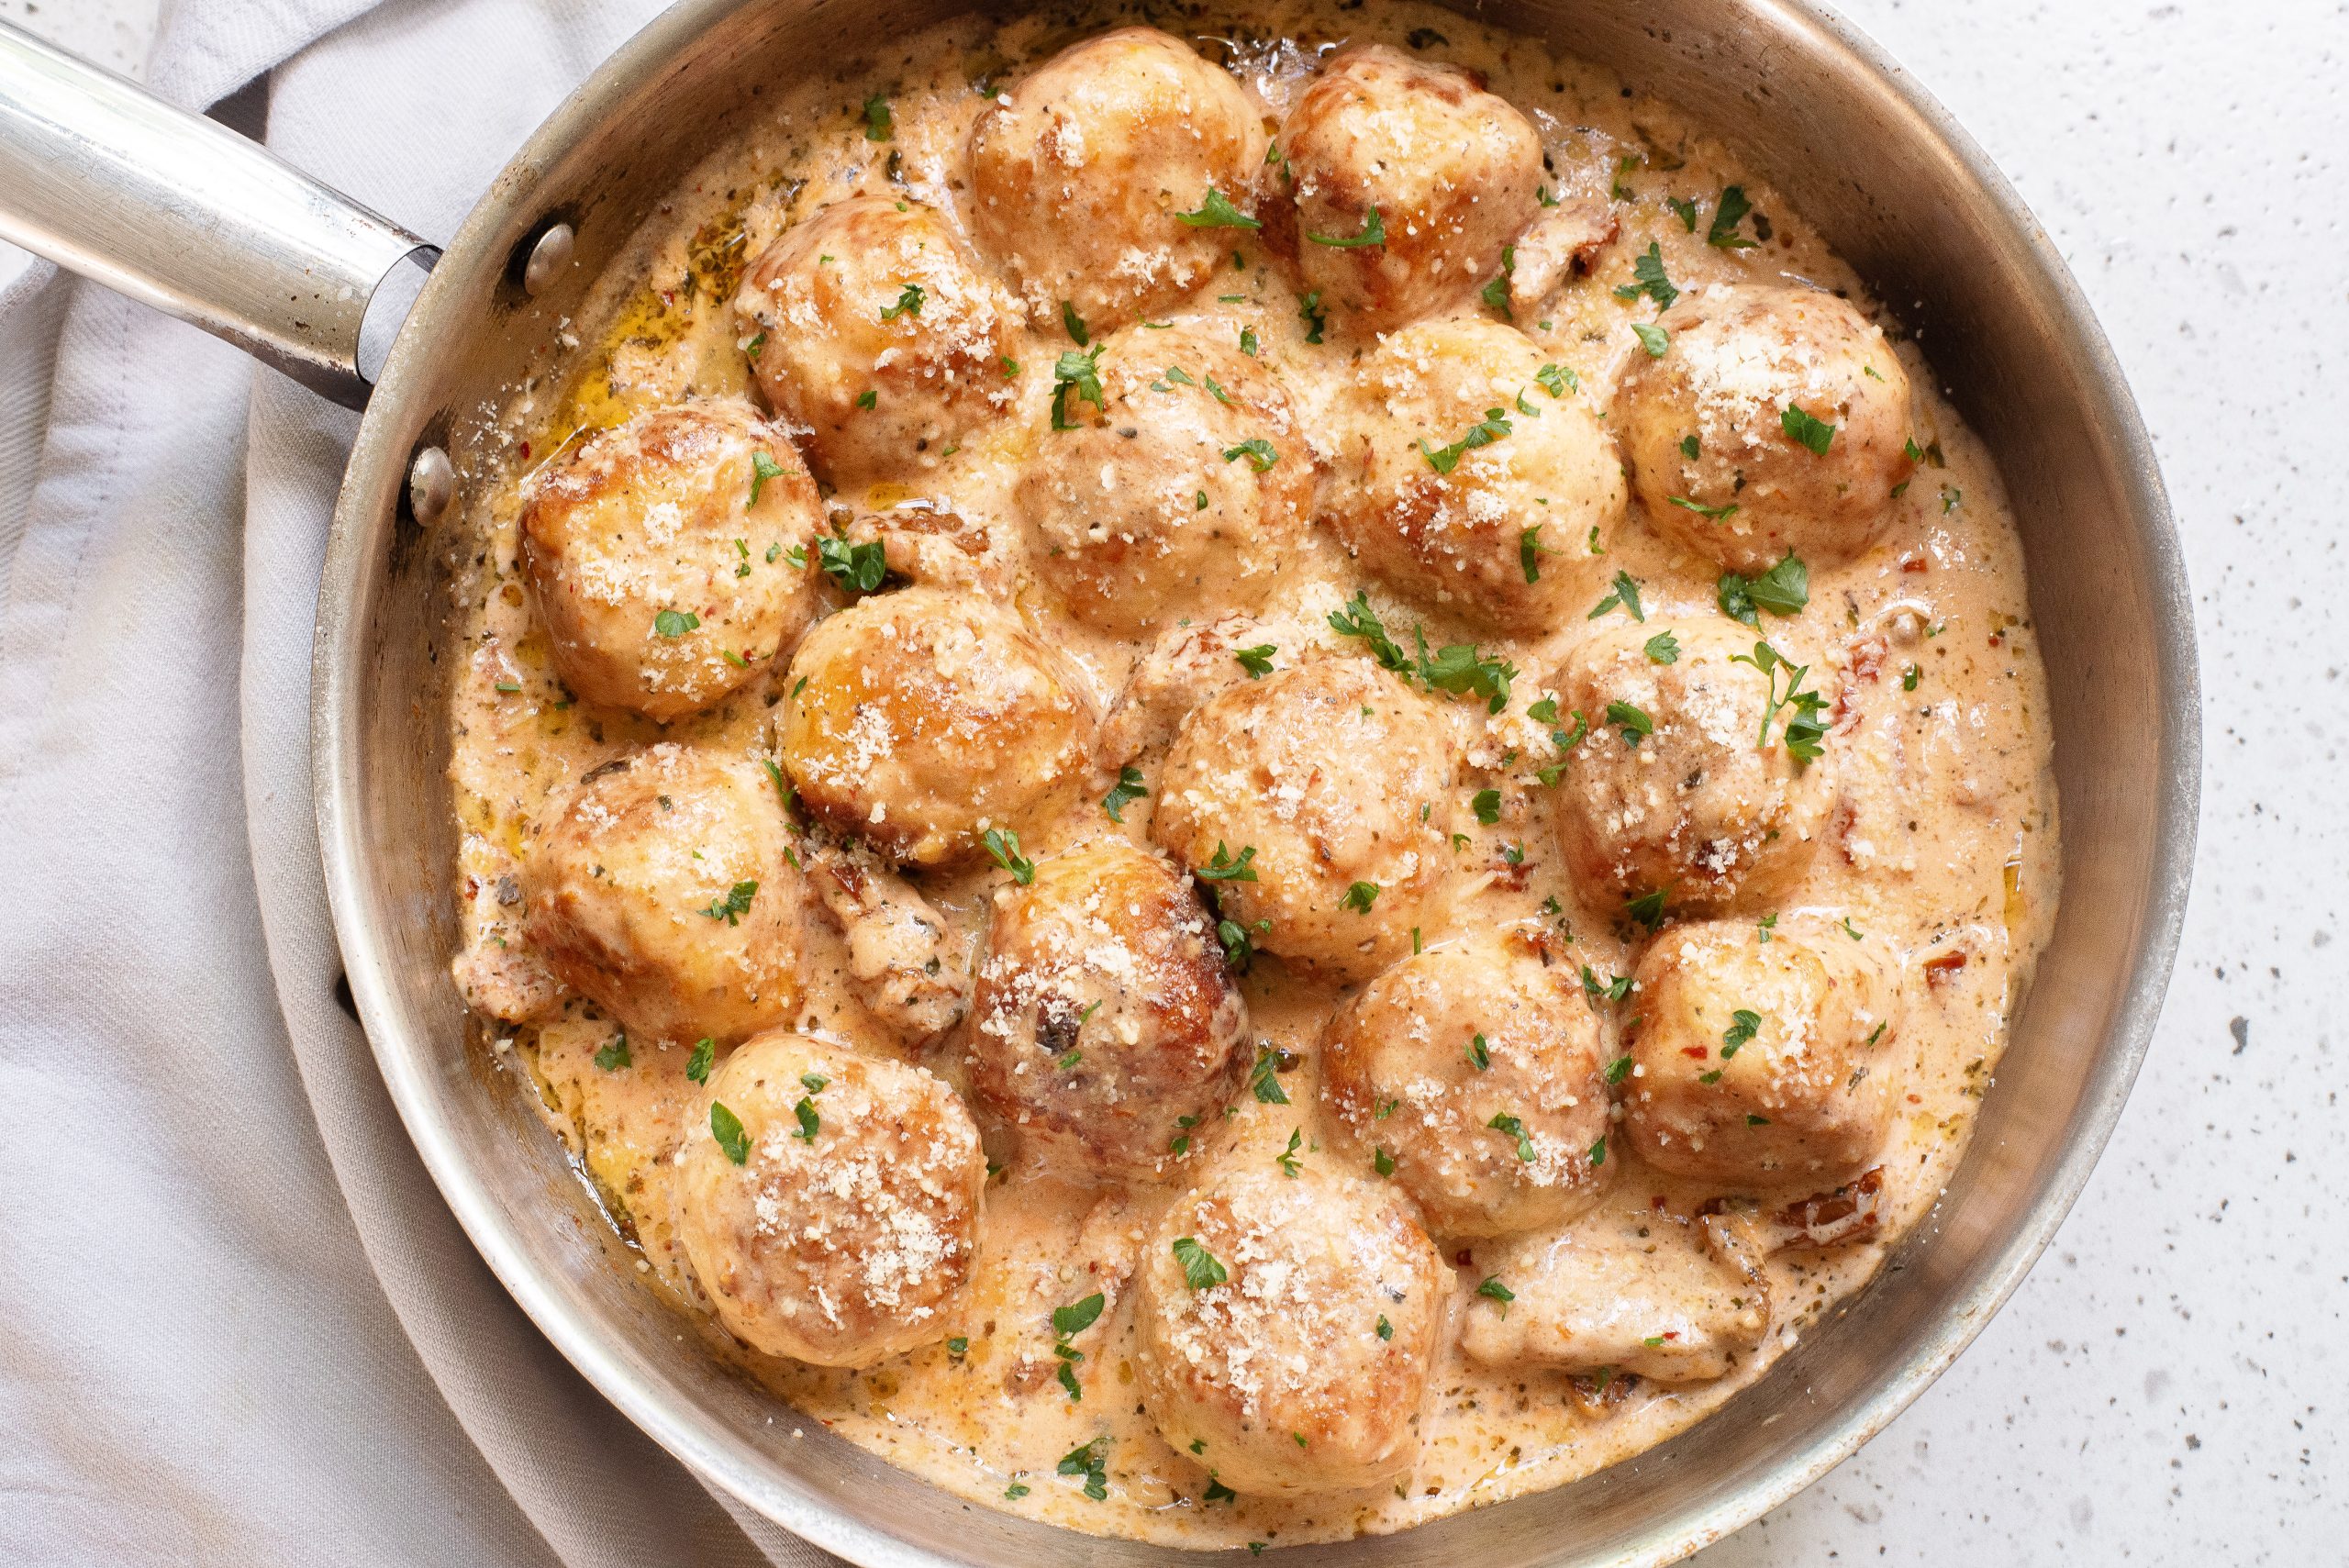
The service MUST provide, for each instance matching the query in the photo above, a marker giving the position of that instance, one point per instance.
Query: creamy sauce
(1945, 843)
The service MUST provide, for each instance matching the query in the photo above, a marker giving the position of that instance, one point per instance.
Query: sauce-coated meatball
(1740, 359)
(1138, 514)
(1257, 1321)
(661, 891)
(848, 1229)
(1106, 1021)
(632, 545)
(1673, 787)
(1473, 1074)
(928, 718)
(1762, 1062)
(877, 299)
(1076, 181)
(1449, 169)
(1499, 533)
(1321, 778)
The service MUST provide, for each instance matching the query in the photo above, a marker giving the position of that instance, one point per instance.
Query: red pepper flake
(1699, 1051)
(525, 451)
(1670, 1334)
(1914, 563)
(1996, 638)
(1939, 970)
(1463, 1257)
(1657, 1203)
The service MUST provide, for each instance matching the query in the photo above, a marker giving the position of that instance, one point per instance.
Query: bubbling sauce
(1663, 882)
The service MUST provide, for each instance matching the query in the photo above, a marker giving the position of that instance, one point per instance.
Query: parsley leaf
(809, 1122)
(1076, 1319)
(1310, 311)
(1732, 212)
(1459, 669)
(1804, 730)
(1358, 619)
(1200, 1269)
(1783, 590)
(698, 1064)
(1076, 376)
(1664, 648)
(1360, 897)
(1648, 908)
(726, 1128)
(1816, 434)
(1373, 232)
(1494, 1290)
(1486, 805)
(857, 568)
(1509, 1125)
(879, 125)
(1124, 793)
(1217, 211)
(1634, 720)
(1626, 594)
(1074, 323)
(734, 905)
(1654, 339)
(1483, 433)
(1003, 845)
(1711, 514)
(1743, 1025)
(1223, 868)
(615, 1056)
(670, 623)
(1256, 660)
(1263, 1080)
(1648, 278)
(1256, 449)
(763, 468)
(1529, 552)
(1558, 380)
(1496, 292)
(909, 303)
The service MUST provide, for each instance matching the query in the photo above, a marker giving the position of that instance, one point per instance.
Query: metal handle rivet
(549, 257)
(431, 484)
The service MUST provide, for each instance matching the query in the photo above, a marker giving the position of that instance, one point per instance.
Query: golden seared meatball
(1760, 1063)
(1465, 486)
(830, 1202)
(1290, 1325)
(1186, 485)
(1445, 168)
(1077, 180)
(1674, 786)
(634, 544)
(1474, 1074)
(1106, 1023)
(1317, 802)
(927, 718)
(1776, 420)
(661, 891)
(877, 299)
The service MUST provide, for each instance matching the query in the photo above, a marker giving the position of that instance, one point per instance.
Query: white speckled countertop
(2166, 1386)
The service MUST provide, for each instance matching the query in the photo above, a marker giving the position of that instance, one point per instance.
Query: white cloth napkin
(238, 1325)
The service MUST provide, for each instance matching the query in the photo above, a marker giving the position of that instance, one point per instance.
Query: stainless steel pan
(183, 214)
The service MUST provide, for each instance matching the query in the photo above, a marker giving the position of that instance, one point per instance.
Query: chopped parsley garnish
(958, 1345)
(1483, 433)
(1217, 211)
(1248, 344)
(734, 905)
(1256, 660)
(869, 399)
(1783, 590)
(1615, 990)
(726, 1128)
(1360, 897)
(674, 623)
(698, 1064)
(1529, 552)
(1382, 1161)
(1217, 1492)
(1496, 292)
(1493, 1289)
(1732, 212)
(1070, 1321)
(1017, 1490)
(1752, 1120)
(1091, 1462)
(1853, 931)
(1262, 1081)
(1010, 366)
(909, 303)
(1074, 323)
(1223, 868)
(1743, 1024)
(1689, 448)
(1510, 1127)
(1256, 449)
(1480, 1055)
(1768, 923)
(857, 568)
(1310, 311)
(1124, 793)
(1459, 669)
(809, 1122)
(1664, 648)
(1816, 434)
(1911, 676)
(1373, 232)
(1238, 950)
(1287, 1158)
(1634, 719)
(879, 125)
(1200, 1269)
(1686, 209)
(1358, 619)
(1804, 728)
(1384, 1330)
(1003, 846)
(1648, 908)
(1626, 594)
(1654, 339)
(615, 1056)
(1558, 380)
(1619, 1069)
(813, 1083)
(1076, 377)
(1710, 513)
(1599, 1151)
(1486, 805)
(751, 347)
(763, 468)
(1648, 278)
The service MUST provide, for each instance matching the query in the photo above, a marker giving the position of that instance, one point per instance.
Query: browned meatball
(1106, 1023)
(1077, 180)
(1776, 420)
(1285, 1328)
(925, 718)
(1675, 788)
(1291, 793)
(1446, 170)
(635, 543)
(1158, 501)
(661, 892)
(1764, 1062)
(1472, 1075)
(830, 1202)
(875, 333)
(1507, 534)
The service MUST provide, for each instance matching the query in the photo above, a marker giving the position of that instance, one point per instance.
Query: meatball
(919, 720)
(1079, 178)
(1107, 1023)
(1759, 1062)
(663, 892)
(1386, 145)
(1187, 482)
(1318, 802)
(1674, 786)
(875, 333)
(1474, 1075)
(1289, 1325)
(636, 545)
(1776, 420)
(1466, 485)
(830, 1202)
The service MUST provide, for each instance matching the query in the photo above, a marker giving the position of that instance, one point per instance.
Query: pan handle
(108, 181)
